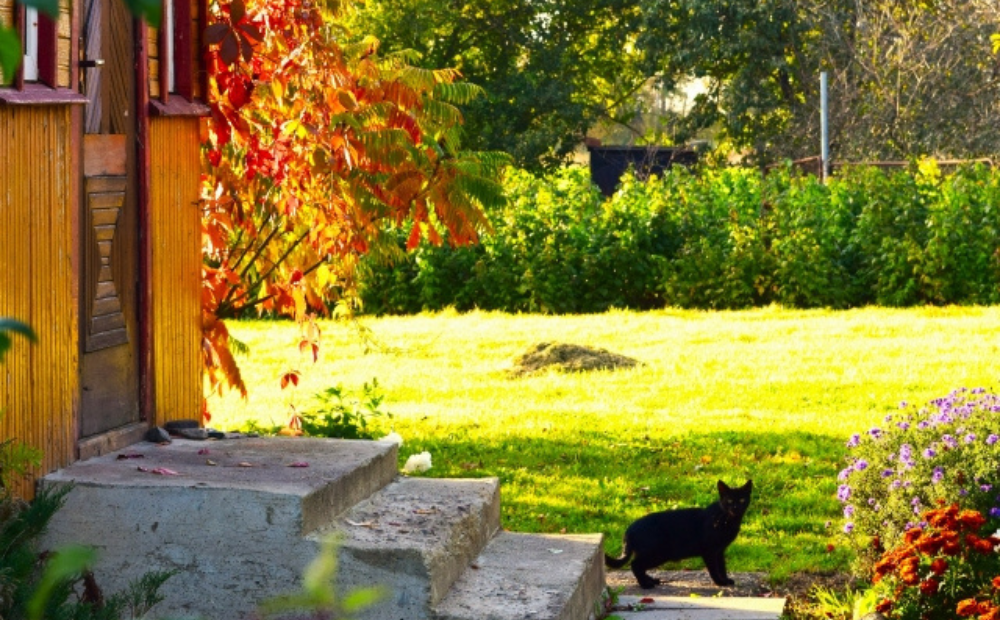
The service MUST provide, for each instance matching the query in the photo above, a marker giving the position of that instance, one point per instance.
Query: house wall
(63, 35)
(39, 383)
(175, 234)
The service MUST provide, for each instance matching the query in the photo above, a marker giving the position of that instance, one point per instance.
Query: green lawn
(765, 394)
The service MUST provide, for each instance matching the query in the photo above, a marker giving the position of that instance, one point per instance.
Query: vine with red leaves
(316, 147)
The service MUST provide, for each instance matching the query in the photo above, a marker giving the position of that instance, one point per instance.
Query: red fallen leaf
(163, 471)
(647, 600)
(203, 451)
(122, 457)
(299, 464)
(829, 548)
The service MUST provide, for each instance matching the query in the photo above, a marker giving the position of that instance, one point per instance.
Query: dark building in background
(608, 163)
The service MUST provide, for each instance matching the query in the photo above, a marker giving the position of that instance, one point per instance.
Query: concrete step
(699, 608)
(529, 577)
(415, 536)
(231, 516)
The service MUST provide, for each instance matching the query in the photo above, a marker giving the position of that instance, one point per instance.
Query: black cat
(674, 535)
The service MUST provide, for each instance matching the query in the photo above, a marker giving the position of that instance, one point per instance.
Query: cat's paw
(727, 582)
(650, 583)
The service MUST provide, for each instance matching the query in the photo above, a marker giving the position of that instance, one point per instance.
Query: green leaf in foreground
(11, 325)
(150, 10)
(10, 54)
(67, 563)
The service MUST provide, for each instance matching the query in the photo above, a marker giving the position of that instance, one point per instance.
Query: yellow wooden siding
(7, 12)
(153, 55)
(175, 234)
(63, 28)
(39, 383)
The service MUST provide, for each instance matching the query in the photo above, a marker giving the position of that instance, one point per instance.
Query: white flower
(417, 463)
(393, 437)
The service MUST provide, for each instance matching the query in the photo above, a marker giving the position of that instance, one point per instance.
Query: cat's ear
(723, 487)
(748, 486)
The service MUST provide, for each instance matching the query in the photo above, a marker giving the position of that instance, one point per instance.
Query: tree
(907, 79)
(318, 145)
(551, 69)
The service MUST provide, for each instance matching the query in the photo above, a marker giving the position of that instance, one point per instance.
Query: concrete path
(699, 608)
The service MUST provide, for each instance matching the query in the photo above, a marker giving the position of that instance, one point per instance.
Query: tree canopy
(907, 78)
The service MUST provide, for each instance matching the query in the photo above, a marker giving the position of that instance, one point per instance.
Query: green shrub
(715, 238)
(338, 416)
(947, 450)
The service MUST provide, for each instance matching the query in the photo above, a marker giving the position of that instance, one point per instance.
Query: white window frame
(29, 66)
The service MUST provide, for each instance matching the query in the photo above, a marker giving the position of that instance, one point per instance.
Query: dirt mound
(569, 357)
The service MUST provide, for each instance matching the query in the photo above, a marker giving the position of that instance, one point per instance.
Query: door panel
(109, 270)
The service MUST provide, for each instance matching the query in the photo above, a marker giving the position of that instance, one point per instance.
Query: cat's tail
(611, 562)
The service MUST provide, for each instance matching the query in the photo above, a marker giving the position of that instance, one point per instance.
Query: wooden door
(109, 284)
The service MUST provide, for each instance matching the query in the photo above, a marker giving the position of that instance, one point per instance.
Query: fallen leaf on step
(245, 464)
(299, 464)
(647, 600)
(203, 451)
(359, 523)
(422, 511)
(134, 455)
(474, 566)
(555, 551)
(210, 462)
(160, 471)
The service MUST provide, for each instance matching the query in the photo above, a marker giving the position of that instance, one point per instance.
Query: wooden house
(100, 225)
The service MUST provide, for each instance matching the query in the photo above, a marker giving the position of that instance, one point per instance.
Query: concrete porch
(241, 518)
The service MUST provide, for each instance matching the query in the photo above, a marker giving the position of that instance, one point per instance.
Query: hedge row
(715, 239)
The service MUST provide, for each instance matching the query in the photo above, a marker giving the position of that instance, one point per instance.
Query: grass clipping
(568, 357)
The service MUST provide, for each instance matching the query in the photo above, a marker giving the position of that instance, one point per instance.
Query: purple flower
(848, 528)
(938, 475)
(886, 473)
(950, 441)
(854, 440)
(895, 484)
(903, 425)
(861, 465)
(986, 488)
(915, 501)
(848, 511)
(995, 512)
(963, 492)
(871, 501)
(875, 432)
(904, 405)
(888, 418)
(905, 451)
(930, 453)
(992, 439)
(923, 424)
(844, 493)
(844, 473)
(970, 438)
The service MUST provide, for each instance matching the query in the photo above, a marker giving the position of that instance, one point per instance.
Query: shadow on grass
(593, 482)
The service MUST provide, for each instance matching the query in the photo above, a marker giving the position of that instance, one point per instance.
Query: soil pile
(569, 357)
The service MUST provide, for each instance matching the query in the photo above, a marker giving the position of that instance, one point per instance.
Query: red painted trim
(39, 94)
(48, 53)
(200, 68)
(182, 48)
(146, 384)
(178, 107)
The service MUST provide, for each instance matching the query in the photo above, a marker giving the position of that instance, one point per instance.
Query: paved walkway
(699, 608)
(690, 595)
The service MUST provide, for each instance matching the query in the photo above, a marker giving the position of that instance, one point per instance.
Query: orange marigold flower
(930, 586)
(930, 545)
(996, 583)
(939, 566)
(984, 546)
(912, 534)
(968, 607)
(883, 606)
(971, 519)
(909, 577)
(992, 614)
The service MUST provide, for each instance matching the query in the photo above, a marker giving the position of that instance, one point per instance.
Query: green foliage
(318, 595)
(549, 70)
(715, 239)
(11, 326)
(57, 585)
(338, 416)
(947, 450)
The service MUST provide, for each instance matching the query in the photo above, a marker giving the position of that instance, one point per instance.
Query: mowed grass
(767, 394)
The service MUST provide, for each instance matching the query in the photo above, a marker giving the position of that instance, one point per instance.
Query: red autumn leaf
(299, 464)
(290, 378)
(647, 600)
(215, 32)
